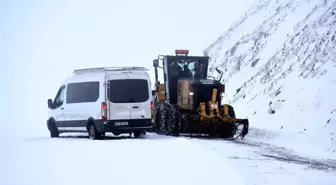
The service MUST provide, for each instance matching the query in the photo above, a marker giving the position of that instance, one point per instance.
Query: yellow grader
(189, 101)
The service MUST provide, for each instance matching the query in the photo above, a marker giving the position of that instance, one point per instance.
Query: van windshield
(128, 91)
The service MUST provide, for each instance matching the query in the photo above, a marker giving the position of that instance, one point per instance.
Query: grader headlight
(222, 91)
(191, 90)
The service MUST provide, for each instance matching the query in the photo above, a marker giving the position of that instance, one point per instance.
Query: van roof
(108, 69)
(100, 72)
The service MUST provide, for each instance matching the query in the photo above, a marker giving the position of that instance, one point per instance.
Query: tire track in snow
(264, 151)
(267, 152)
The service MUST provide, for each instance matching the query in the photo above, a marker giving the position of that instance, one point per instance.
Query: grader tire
(176, 120)
(156, 124)
(232, 113)
(228, 130)
(164, 118)
(170, 120)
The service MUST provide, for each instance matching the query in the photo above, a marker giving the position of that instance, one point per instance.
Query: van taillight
(103, 111)
(152, 105)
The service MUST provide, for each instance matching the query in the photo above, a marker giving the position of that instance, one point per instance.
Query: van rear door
(134, 93)
(140, 104)
(141, 98)
(119, 108)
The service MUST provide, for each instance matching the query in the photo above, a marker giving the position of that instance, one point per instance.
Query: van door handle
(62, 108)
(135, 107)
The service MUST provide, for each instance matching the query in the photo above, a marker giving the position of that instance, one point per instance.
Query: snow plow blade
(222, 123)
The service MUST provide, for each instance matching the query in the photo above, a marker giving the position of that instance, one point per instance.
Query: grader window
(184, 67)
(188, 68)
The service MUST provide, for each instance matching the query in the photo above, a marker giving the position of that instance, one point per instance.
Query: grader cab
(190, 101)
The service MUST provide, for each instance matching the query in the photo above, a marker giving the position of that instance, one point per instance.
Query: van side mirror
(50, 103)
(155, 63)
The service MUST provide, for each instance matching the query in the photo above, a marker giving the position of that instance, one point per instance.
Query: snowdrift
(279, 63)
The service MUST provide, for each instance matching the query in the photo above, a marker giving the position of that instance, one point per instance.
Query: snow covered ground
(279, 63)
(123, 161)
(279, 69)
(261, 163)
(155, 160)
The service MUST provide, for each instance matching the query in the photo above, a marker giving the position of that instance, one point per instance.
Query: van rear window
(128, 91)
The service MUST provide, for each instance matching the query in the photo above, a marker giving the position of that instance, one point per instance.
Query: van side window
(82, 92)
(59, 99)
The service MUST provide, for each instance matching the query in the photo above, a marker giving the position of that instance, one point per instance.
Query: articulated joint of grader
(214, 113)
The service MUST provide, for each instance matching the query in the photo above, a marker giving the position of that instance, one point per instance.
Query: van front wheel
(53, 129)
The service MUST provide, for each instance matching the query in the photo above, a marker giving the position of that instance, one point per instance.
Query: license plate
(120, 123)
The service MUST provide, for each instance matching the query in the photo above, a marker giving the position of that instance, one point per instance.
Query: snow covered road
(155, 160)
(261, 163)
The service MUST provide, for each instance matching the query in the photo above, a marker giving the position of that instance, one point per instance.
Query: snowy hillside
(279, 63)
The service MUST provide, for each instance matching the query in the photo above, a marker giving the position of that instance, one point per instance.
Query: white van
(99, 100)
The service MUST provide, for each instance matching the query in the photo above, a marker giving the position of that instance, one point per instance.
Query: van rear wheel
(139, 134)
(93, 133)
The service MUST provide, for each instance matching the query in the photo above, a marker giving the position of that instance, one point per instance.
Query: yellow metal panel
(184, 99)
(226, 110)
(214, 95)
(161, 93)
(202, 110)
(183, 94)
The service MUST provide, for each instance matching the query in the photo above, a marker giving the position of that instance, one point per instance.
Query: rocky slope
(279, 63)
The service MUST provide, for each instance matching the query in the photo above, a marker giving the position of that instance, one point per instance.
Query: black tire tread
(232, 113)
(97, 134)
(176, 120)
(172, 113)
(163, 111)
(53, 130)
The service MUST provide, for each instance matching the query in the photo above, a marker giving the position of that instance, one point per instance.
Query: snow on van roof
(108, 69)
